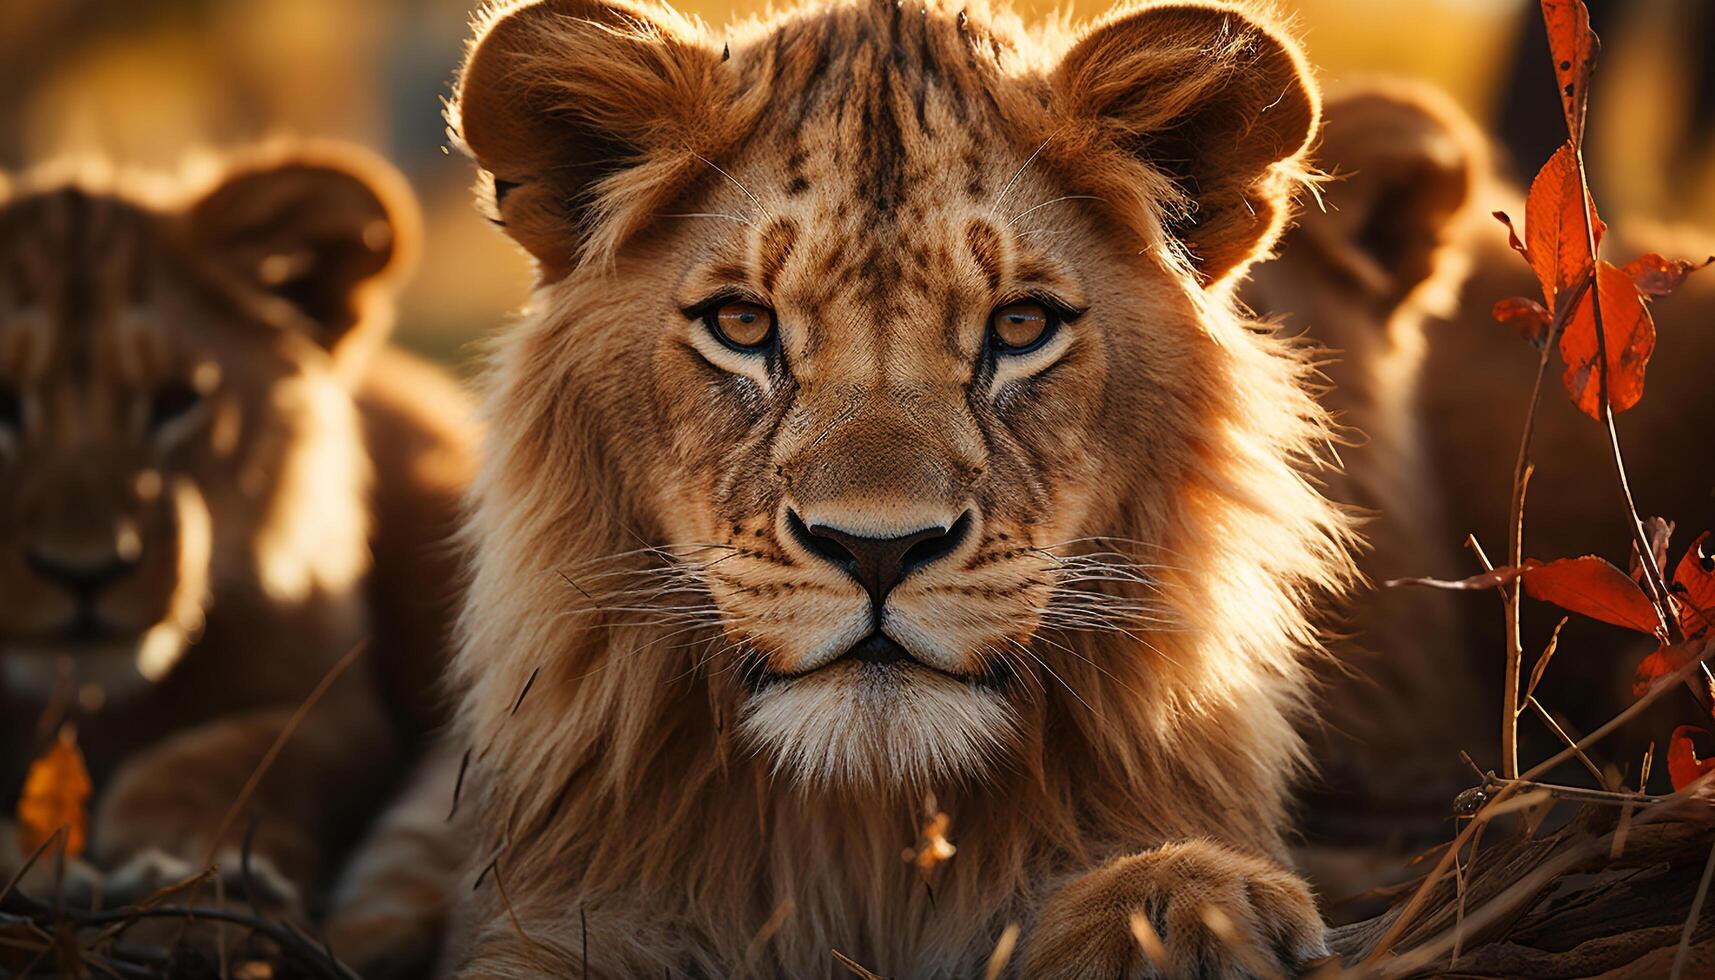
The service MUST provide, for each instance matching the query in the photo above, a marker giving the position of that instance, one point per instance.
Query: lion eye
(171, 401)
(1023, 326)
(741, 325)
(11, 408)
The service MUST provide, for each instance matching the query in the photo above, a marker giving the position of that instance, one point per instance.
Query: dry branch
(1560, 905)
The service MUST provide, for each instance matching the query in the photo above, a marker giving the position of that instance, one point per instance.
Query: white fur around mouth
(852, 723)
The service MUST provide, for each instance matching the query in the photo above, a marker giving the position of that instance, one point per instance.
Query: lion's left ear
(328, 230)
(1221, 105)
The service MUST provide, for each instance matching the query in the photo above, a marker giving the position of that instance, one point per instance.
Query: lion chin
(121, 668)
(859, 724)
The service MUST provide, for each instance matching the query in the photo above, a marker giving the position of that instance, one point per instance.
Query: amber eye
(1022, 326)
(171, 401)
(741, 325)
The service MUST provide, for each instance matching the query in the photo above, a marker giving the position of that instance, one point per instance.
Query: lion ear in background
(1405, 164)
(586, 115)
(1221, 106)
(327, 229)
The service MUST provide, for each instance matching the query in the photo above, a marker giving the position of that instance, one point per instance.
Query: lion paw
(1218, 913)
(148, 872)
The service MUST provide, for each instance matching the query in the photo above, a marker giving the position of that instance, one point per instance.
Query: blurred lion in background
(1397, 275)
(216, 480)
(1368, 274)
(882, 440)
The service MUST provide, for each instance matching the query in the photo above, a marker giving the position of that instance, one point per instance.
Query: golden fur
(192, 379)
(1099, 671)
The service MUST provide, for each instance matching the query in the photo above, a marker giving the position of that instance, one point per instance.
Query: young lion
(881, 438)
(190, 390)
(1385, 254)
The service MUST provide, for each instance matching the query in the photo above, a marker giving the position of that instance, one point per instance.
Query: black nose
(85, 579)
(879, 564)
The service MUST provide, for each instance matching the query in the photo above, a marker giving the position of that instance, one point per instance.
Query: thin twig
(30, 862)
(280, 740)
(1002, 952)
(1541, 667)
(1656, 690)
(1653, 582)
(1421, 896)
(1684, 950)
(854, 966)
(1554, 726)
(1579, 794)
(293, 944)
(1515, 539)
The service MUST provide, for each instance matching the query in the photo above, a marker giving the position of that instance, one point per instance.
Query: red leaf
(1656, 276)
(1694, 586)
(1629, 336)
(1574, 47)
(1683, 765)
(1592, 587)
(1589, 586)
(1526, 316)
(1558, 246)
(1664, 661)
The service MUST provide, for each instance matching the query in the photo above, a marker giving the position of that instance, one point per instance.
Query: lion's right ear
(1215, 100)
(586, 115)
(327, 228)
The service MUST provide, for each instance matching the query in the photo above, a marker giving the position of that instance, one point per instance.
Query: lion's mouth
(89, 627)
(877, 648)
(879, 655)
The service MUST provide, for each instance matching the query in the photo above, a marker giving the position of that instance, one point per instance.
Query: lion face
(896, 443)
(881, 329)
(167, 383)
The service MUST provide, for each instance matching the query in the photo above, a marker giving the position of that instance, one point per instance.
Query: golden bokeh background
(145, 82)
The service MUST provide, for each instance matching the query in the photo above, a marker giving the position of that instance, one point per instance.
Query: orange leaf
(1683, 765)
(1526, 316)
(1694, 586)
(56, 791)
(1656, 276)
(1574, 47)
(1590, 586)
(1664, 661)
(1629, 337)
(1557, 243)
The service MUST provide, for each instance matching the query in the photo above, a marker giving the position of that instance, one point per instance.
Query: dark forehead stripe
(60, 246)
(879, 74)
(71, 255)
(987, 249)
(776, 247)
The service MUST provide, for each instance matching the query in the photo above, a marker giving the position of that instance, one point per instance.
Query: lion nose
(85, 578)
(878, 564)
